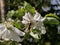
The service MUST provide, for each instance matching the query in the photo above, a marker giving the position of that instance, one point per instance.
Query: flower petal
(37, 16)
(2, 29)
(34, 35)
(19, 32)
(26, 17)
(25, 22)
(11, 35)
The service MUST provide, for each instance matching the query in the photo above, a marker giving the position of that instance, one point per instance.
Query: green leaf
(51, 21)
(18, 25)
(10, 13)
(29, 8)
(52, 15)
(19, 13)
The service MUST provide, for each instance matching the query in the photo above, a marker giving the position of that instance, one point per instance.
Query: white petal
(15, 37)
(2, 29)
(34, 35)
(26, 17)
(19, 32)
(9, 34)
(37, 16)
(34, 27)
(43, 31)
(6, 35)
(43, 19)
(25, 22)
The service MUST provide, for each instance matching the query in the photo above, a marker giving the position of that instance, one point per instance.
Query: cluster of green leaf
(21, 11)
(29, 8)
(14, 4)
(51, 22)
(52, 15)
(51, 19)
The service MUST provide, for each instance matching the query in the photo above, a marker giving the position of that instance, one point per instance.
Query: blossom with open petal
(13, 34)
(36, 21)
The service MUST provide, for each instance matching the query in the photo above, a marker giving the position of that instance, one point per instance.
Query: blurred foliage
(29, 8)
(52, 15)
(21, 11)
(8, 43)
(51, 19)
(51, 22)
(15, 4)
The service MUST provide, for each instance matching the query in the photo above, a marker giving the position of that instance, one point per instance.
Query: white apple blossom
(27, 18)
(13, 34)
(36, 21)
